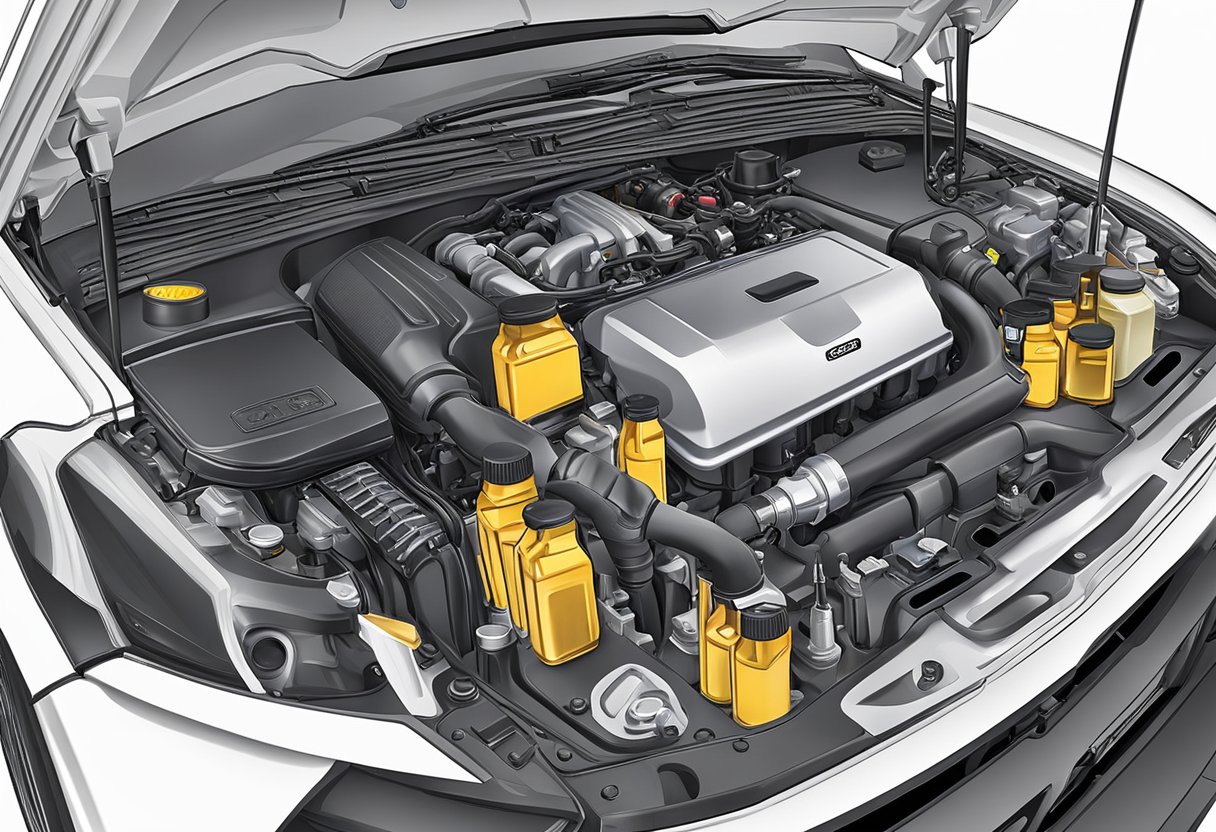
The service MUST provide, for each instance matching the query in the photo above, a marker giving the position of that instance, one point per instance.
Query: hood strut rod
(97, 164)
(1108, 154)
(945, 191)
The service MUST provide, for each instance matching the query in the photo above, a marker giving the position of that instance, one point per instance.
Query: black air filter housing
(260, 408)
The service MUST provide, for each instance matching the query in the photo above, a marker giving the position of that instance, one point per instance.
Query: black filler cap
(1182, 262)
(1093, 336)
(1028, 312)
(763, 622)
(505, 463)
(527, 309)
(641, 407)
(547, 514)
(1077, 265)
(1121, 281)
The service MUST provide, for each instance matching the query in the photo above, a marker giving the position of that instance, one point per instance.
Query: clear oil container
(536, 359)
(507, 487)
(1030, 340)
(760, 677)
(558, 584)
(1089, 375)
(642, 448)
(1125, 307)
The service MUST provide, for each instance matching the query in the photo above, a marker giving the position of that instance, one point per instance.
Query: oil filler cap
(521, 310)
(505, 463)
(763, 622)
(641, 407)
(175, 304)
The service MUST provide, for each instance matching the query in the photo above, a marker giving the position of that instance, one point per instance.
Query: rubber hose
(473, 427)
(732, 564)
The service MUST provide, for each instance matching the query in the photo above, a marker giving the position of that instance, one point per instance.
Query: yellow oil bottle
(1125, 307)
(536, 359)
(1084, 269)
(1089, 375)
(719, 631)
(642, 449)
(558, 584)
(1063, 300)
(760, 673)
(507, 487)
(1030, 340)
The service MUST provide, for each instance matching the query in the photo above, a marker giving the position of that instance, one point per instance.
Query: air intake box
(260, 408)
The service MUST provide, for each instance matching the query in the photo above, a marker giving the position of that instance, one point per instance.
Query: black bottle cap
(504, 463)
(1078, 265)
(527, 309)
(1027, 312)
(763, 622)
(1121, 281)
(1094, 336)
(1050, 290)
(547, 514)
(641, 407)
(1182, 262)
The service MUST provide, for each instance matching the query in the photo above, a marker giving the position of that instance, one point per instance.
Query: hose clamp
(816, 489)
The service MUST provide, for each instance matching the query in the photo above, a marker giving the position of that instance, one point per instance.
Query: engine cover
(741, 351)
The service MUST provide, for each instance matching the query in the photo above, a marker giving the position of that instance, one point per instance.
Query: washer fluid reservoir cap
(175, 304)
(266, 536)
(1121, 281)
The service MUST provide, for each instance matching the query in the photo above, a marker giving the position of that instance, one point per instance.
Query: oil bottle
(507, 487)
(1031, 342)
(1084, 269)
(558, 584)
(1125, 307)
(1063, 300)
(536, 359)
(1089, 376)
(719, 632)
(641, 450)
(760, 673)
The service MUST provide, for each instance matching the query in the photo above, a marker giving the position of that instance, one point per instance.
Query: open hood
(154, 67)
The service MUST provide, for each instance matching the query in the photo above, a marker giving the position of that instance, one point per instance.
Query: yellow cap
(175, 291)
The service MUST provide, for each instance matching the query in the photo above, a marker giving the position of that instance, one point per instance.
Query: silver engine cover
(741, 351)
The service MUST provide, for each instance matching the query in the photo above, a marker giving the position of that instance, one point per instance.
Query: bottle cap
(547, 514)
(641, 407)
(1121, 281)
(504, 463)
(1079, 264)
(1094, 336)
(1020, 314)
(527, 309)
(763, 622)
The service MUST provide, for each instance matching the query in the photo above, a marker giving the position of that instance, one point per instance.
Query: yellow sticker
(175, 291)
(993, 255)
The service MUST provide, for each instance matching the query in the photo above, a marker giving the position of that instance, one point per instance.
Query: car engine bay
(644, 469)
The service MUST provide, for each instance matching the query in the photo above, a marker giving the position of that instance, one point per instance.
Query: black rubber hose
(732, 564)
(473, 427)
(986, 387)
(799, 205)
(949, 255)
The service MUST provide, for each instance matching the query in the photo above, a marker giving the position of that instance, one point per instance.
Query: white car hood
(156, 66)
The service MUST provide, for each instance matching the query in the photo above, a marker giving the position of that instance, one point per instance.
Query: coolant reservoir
(507, 486)
(536, 359)
(558, 584)
(760, 676)
(1124, 306)
(641, 450)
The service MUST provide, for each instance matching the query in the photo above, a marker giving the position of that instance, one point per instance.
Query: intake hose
(986, 387)
(948, 254)
(474, 427)
(630, 518)
(966, 477)
(800, 206)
